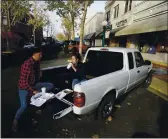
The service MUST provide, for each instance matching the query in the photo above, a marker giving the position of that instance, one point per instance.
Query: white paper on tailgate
(63, 93)
(40, 98)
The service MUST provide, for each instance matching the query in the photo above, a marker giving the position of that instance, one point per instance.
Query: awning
(98, 33)
(157, 23)
(85, 37)
(115, 30)
(89, 36)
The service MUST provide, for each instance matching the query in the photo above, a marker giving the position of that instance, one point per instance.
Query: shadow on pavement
(163, 120)
(162, 124)
(143, 135)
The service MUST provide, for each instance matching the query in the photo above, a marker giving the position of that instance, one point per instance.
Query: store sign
(121, 23)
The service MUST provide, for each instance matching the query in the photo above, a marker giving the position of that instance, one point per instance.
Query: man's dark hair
(36, 50)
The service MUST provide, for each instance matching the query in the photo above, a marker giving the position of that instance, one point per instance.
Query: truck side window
(130, 60)
(138, 59)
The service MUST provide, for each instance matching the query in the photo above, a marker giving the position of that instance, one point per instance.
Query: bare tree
(38, 18)
(84, 5)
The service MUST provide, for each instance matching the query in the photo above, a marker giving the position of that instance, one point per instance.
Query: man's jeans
(76, 81)
(23, 97)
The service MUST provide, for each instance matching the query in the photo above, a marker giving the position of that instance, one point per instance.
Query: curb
(160, 64)
(158, 92)
(157, 89)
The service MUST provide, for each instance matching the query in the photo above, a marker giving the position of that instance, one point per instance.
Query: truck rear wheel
(106, 107)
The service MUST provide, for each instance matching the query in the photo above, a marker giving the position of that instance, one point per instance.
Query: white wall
(121, 14)
(94, 24)
(140, 9)
(100, 18)
(158, 57)
(149, 8)
(98, 42)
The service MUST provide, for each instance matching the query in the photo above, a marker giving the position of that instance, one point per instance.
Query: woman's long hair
(77, 56)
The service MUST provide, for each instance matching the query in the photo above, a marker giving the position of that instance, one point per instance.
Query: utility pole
(103, 39)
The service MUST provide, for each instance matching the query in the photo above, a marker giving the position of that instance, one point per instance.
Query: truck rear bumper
(85, 109)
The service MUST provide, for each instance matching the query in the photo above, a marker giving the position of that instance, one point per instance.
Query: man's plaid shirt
(27, 74)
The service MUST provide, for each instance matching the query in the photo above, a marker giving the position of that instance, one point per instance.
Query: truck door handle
(138, 71)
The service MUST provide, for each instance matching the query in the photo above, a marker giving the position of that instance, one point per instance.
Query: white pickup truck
(110, 72)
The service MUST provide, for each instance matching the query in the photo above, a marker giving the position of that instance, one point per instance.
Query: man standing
(29, 75)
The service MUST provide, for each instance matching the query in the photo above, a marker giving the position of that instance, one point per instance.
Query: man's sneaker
(38, 112)
(14, 126)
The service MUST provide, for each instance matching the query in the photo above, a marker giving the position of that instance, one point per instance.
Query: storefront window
(154, 42)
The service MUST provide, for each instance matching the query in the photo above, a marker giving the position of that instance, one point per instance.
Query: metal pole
(103, 39)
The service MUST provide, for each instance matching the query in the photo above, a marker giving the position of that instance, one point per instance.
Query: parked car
(69, 45)
(110, 72)
(50, 48)
(28, 45)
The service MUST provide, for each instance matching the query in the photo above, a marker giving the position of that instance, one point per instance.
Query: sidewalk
(159, 87)
(159, 84)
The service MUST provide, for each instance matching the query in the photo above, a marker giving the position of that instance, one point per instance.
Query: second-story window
(108, 16)
(128, 5)
(116, 11)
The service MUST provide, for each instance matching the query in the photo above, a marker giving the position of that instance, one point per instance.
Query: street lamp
(104, 24)
(5, 23)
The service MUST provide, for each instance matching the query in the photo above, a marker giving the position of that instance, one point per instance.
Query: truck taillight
(79, 99)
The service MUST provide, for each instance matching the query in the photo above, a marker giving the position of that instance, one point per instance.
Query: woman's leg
(74, 82)
(48, 86)
(83, 80)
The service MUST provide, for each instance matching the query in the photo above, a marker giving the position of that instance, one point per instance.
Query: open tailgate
(41, 98)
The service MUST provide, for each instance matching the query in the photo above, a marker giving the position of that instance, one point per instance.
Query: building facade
(141, 25)
(92, 26)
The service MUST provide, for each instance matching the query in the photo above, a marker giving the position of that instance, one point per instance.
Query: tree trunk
(47, 30)
(82, 26)
(8, 18)
(8, 28)
(34, 37)
(73, 28)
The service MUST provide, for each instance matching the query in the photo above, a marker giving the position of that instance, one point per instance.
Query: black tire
(147, 81)
(106, 107)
